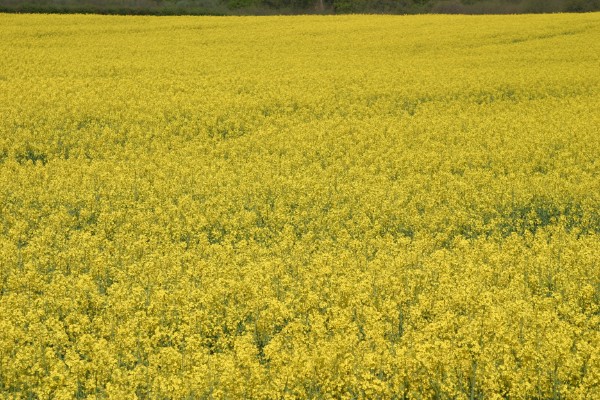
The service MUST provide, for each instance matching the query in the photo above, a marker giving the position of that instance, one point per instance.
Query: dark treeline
(265, 7)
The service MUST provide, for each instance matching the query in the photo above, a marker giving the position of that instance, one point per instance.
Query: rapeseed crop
(300, 207)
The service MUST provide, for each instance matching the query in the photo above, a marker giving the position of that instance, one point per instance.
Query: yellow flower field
(348, 207)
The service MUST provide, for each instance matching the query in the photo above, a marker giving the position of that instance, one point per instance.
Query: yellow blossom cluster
(327, 207)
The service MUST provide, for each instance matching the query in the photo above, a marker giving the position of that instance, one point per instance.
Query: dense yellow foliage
(300, 207)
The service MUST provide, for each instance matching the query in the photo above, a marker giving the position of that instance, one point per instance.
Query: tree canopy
(237, 7)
